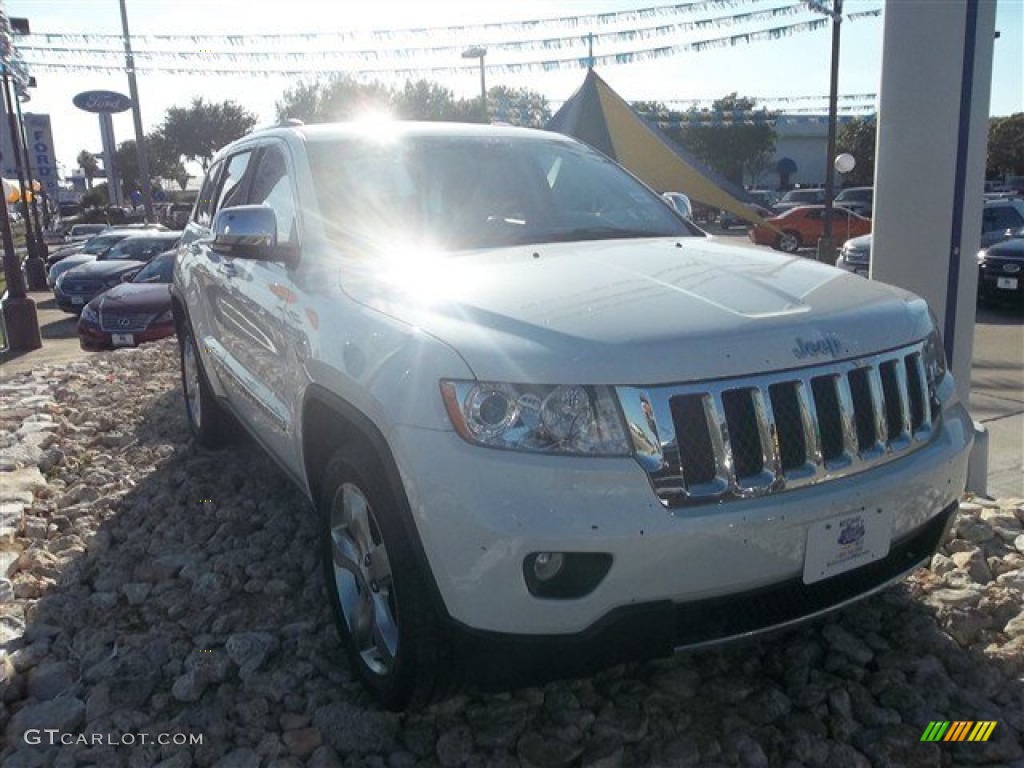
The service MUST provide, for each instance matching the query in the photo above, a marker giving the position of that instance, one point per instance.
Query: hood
(135, 297)
(70, 262)
(102, 270)
(860, 243)
(640, 311)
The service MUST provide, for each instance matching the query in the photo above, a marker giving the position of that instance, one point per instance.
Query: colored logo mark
(958, 730)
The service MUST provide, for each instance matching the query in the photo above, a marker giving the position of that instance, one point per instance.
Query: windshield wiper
(595, 233)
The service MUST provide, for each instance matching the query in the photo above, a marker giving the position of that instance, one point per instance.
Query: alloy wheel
(362, 575)
(190, 370)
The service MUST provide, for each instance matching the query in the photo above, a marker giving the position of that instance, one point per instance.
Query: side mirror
(252, 226)
(249, 232)
(127, 277)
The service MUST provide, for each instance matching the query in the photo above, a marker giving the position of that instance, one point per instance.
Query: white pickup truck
(546, 422)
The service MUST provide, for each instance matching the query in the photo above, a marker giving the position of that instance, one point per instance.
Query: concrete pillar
(930, 160)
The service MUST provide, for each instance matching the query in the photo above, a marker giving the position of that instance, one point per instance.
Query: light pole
(478, 52)
(826, 246)
(19, 311)
(35, 266)
(140, 138)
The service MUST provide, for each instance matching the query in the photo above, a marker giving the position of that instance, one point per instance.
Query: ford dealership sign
(102, 101)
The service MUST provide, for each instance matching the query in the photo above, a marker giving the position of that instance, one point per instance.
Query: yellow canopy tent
(12, 190)
(598, 116)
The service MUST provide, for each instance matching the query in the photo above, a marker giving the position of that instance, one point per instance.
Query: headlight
(89, 314)
(934, 358)
(561, 419)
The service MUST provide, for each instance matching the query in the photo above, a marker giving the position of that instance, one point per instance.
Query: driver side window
(272, 187)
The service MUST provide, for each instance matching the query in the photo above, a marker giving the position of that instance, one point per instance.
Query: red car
(131, 313)
(802, 226)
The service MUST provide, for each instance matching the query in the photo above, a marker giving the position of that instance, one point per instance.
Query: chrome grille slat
(714, 412)
(848, 420)
(769, 435)
(894, 415)
(878, 409)
(901, 440)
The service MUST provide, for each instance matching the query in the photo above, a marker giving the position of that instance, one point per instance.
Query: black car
(1001, 272)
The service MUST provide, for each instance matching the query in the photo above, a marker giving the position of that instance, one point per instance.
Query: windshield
(855, 194)
(465, 192)
(138, 249)
(102, 243)
(801, 196)
(159, 270)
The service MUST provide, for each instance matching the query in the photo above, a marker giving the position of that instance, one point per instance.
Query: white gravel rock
(130, 605)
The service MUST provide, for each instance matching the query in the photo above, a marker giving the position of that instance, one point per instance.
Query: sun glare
(377, 124)
(425, 274)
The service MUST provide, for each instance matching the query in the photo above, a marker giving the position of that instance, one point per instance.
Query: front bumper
(995, 284)
(656, 629)
(92, 339)
(858, 267)
(481, 512)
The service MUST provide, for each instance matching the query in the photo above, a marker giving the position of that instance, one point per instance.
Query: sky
(791, 66)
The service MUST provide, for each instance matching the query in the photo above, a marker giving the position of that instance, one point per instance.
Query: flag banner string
(586, 20)
(450, 49)
(622, 57)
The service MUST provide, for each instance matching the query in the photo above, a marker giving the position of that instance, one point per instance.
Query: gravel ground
(152, 591)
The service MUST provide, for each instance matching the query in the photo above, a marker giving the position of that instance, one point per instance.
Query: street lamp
(478, 52)
(826, 245)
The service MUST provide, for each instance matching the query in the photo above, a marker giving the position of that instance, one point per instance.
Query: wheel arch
(330, 423)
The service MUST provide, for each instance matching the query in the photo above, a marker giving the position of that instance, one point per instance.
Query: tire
(210, 424)
(388, 621)
(788, 242)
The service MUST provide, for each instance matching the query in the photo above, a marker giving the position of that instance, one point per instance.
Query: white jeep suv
(546, 422)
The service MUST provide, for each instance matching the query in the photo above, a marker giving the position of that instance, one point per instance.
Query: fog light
(547, 565)
(564, 575)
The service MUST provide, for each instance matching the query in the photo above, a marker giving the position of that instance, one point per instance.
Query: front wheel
(392, 633)
(209, 423)
(788, 242)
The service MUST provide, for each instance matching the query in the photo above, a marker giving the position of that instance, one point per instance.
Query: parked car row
(117, 282)
(1000, 261)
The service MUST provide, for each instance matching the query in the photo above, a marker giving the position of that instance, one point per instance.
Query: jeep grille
(741, 438)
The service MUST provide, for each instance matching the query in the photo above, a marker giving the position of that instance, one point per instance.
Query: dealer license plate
(1007, 283)
(78, 300)
(842, 543)
(122, 339)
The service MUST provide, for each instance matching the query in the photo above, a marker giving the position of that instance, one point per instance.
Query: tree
(424, 100)
(857, 137)
(87, 162)
(196, 132)
(162, 161)
(733, 137)
(1006, 146)
(341, 97)
(96, 197)
(518, 106)
(344, 98)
